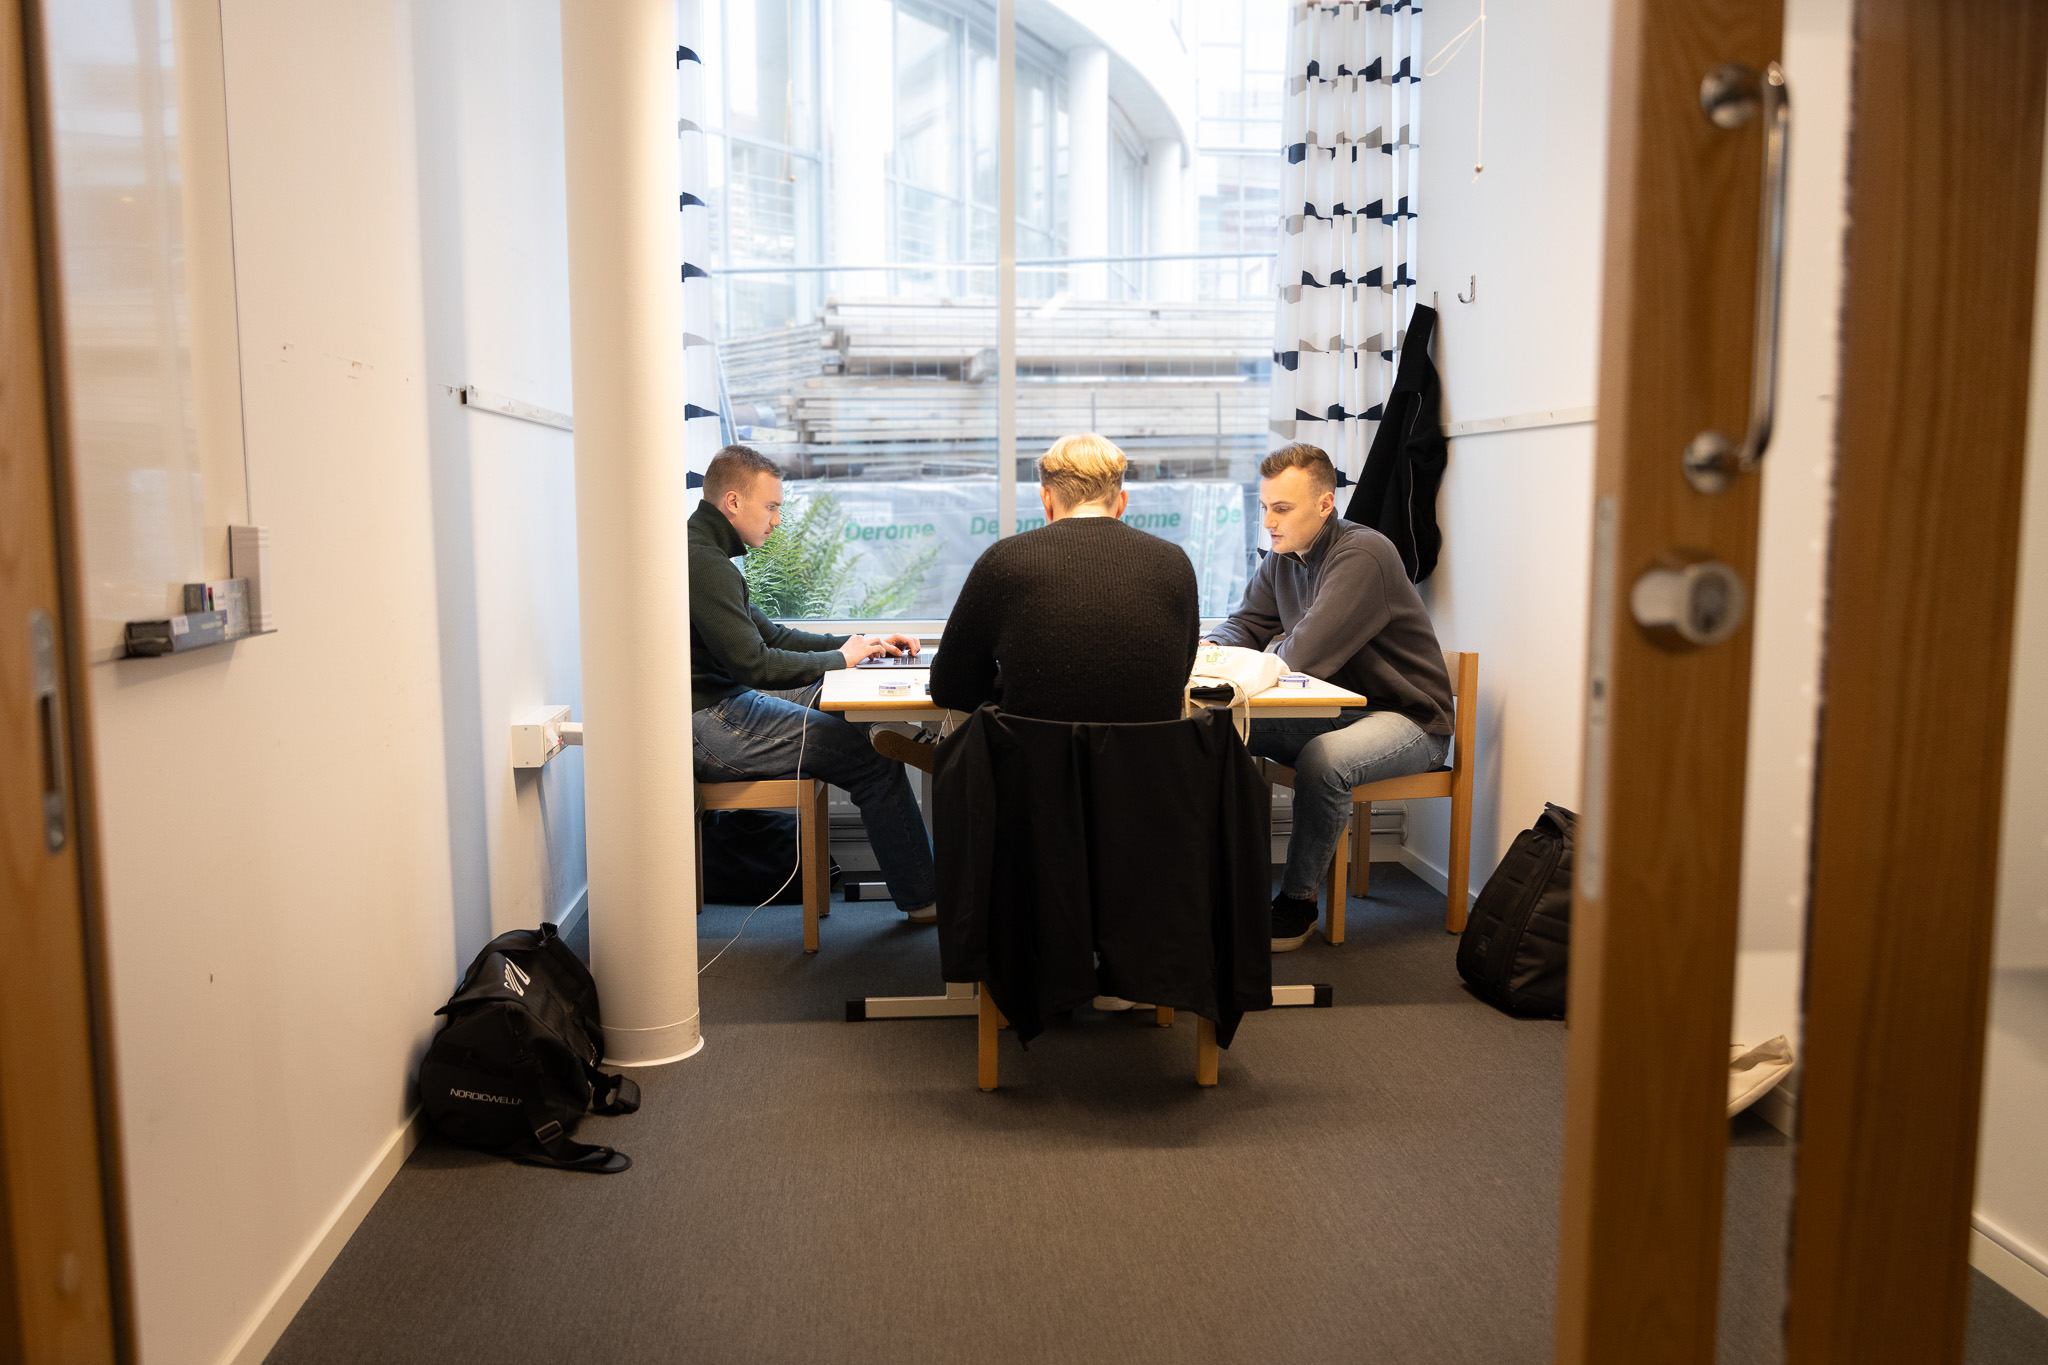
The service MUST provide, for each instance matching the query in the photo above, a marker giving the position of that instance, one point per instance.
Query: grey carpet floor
(1372, 1182)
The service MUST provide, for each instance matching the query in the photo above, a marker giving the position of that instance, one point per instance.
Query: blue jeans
(757, 735)
(1329, 758)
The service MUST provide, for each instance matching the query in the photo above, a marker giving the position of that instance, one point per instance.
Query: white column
(1165, 220)
(625, 337)
(860, 129)
(1088, 167)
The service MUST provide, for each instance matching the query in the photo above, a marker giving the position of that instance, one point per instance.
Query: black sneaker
(1293, 921)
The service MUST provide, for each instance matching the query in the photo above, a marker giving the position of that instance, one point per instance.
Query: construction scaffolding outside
(887, 406)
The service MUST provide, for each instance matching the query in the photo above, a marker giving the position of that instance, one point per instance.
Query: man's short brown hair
(1079, 470)
(734, 469)
(1302, 455)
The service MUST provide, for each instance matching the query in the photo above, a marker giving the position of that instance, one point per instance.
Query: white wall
(2012, 1178)
(276, 840)
(1793, 534)
(309, 833)
(1516, 506)
(488, 87)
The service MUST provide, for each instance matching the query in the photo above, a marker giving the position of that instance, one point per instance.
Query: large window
(1242, 51)
(765, 161)
(856, 150)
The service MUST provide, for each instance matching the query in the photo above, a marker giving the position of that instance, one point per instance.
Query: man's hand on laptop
(858, 647)
(901, 644)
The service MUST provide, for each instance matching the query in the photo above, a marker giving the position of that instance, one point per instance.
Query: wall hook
(1475, 292)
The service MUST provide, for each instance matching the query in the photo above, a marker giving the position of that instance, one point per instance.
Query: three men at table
(1334, 601)
(753, 683)
(1084, 619)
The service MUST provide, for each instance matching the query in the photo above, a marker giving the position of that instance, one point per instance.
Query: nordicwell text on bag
(515, 1067)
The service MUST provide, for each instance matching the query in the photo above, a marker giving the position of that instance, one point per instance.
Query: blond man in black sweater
(1083, 619)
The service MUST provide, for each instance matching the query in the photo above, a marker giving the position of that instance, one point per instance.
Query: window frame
(1039, 229)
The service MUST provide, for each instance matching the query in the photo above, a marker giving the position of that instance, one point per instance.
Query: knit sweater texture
(733, 647)
(1086, 619)
(1344, 611)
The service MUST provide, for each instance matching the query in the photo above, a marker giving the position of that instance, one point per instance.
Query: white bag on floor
(1752, 1071)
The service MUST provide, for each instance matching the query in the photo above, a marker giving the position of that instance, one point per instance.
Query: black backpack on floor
(515, 1067)
(1516, 948)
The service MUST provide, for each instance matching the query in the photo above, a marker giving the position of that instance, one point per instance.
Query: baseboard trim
(1424, 868)
(576, 911)
(1779, 1107)
(2011, 1263)
(296, 1287)
(1431, 873)
(1383, 850)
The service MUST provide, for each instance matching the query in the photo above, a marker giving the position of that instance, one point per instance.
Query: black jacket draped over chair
(1145, 845)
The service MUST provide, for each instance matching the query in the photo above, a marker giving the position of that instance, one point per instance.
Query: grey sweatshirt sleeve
(1257, 619)
(1351, 606)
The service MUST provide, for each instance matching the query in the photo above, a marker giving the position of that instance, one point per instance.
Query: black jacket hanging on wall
(1144, 844)
(1396, 493)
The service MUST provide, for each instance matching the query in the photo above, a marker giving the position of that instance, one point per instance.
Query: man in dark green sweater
(754, 683)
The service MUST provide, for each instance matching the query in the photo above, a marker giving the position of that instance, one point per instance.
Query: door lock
(1701, 603)
(42, 646)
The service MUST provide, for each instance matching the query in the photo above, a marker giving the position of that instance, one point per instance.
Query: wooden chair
(992, 1022)
(806, 795)
(1454, 782)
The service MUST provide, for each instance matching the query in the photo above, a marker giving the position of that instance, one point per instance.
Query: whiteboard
(145, 256)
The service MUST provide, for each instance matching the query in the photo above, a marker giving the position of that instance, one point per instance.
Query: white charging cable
(803, 733)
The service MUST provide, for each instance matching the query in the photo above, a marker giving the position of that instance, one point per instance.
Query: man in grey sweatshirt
(1334, 602)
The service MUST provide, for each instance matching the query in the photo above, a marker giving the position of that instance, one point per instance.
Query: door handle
(42, 640)
(1730, 96)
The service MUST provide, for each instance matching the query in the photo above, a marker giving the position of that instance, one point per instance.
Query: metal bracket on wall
(470, 396)
(1521, 421)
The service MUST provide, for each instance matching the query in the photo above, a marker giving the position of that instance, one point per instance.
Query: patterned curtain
(1347, 256)
(703, 432)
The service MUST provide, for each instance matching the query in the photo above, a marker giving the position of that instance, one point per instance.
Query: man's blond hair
(1079, 470)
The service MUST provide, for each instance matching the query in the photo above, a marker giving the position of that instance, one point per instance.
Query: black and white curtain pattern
(703, 433)
(1346, 267)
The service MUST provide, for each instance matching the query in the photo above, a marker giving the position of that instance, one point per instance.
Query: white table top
(858, 691)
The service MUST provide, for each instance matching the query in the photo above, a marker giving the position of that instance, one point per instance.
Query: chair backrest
(1464, 671)
(1127, 880)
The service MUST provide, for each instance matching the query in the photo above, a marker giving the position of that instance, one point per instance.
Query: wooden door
(58, 1264)
(1654, 915)
(1938, 299)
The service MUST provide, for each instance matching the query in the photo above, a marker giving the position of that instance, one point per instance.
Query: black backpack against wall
(1516, 949)
(515, 1067)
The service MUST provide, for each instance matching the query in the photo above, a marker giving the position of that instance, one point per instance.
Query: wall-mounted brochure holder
(217, 612)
